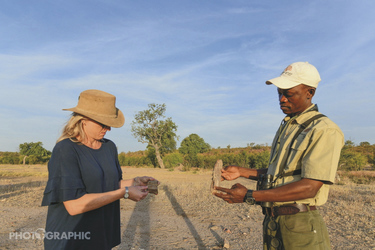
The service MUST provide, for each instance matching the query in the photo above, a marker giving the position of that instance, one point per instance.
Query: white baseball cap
(295, 74)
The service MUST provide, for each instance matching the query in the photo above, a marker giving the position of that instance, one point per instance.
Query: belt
(289, 209)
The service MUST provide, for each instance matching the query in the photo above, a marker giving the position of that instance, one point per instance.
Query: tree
(194, 144)
(349, 143)
(191, 146)
(149, 128)
(34, 149)
(364, 144)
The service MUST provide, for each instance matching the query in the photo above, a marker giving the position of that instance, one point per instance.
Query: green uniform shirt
(316, 151)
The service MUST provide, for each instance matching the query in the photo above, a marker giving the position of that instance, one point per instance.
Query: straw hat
(99, 106)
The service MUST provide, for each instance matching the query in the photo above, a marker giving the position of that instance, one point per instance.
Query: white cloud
(208, 65)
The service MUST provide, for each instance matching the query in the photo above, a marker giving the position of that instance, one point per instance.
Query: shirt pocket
(300, 143)
(296, 151)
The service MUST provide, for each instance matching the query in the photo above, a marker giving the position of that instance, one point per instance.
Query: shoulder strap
(303, 126)
(300, 129)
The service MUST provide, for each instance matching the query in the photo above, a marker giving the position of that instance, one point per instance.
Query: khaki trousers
(304, 230)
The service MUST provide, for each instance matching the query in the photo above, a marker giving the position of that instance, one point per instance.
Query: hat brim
(282, 82)
(111, 121)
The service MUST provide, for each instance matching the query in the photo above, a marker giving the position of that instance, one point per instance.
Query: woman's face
(95, 130)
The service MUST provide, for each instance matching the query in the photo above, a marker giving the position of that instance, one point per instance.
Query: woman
(85, 179)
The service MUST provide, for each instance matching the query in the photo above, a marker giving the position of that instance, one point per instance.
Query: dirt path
(184, 215)
(167, 221)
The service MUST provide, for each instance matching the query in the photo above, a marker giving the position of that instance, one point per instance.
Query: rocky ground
(184, 215)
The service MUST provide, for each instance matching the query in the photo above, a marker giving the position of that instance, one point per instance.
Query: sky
(207, 60)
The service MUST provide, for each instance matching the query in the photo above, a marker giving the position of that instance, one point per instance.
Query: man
(303, 163)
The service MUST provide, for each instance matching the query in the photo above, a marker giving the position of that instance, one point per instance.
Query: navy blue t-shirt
(75, 170)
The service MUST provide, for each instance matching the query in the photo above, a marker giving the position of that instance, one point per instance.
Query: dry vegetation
(184, 215)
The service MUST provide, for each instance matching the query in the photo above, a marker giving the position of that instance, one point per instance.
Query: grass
(16, 174)
(21, 186)
(23, 170)
(11, 174)
(183, 183)
(357, 177)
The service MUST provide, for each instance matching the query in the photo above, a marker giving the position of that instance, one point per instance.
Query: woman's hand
(137, 193)
(142, 181)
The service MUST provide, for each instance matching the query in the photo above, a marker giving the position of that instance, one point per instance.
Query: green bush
(135, 160)
(256, 159)
(352, 161)
(9, 158)
(259, 160)
(207, 161)
(173, 160)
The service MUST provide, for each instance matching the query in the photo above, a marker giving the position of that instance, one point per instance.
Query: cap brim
(282, 82)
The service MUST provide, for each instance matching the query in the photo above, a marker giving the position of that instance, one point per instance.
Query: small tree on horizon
(191, 146)
(34, 149)
(158, 134)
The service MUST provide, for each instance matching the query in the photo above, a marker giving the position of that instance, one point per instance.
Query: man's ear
(310, 93)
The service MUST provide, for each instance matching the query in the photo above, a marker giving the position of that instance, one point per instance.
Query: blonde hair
(73, 129)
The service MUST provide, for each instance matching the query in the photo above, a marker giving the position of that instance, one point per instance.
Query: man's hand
(234, 195)
(230, 173)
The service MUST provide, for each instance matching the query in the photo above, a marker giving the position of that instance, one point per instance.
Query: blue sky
(206, 60)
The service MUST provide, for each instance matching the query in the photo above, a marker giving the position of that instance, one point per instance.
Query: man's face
(295, 100)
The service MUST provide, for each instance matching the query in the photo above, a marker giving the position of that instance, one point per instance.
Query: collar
(299, 118)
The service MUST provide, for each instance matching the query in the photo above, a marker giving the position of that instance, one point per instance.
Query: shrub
(173, 160)
(352, 161)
